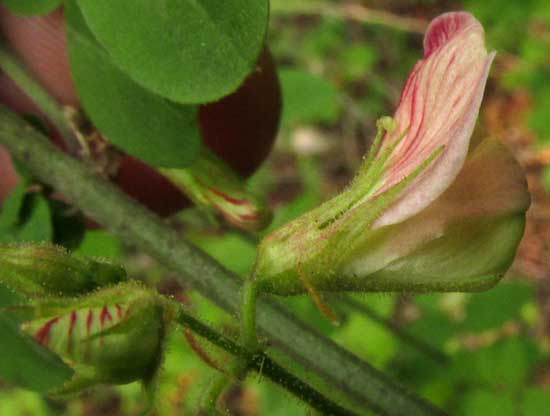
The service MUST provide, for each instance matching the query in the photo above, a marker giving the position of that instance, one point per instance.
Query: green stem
(249, 336)
(249, 341)
(363, 385)
(210, 400)
(259, 362)
(38, 94)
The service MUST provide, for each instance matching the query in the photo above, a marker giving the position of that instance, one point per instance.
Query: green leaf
(190, 51)
(31, 7)
(23, 362)
(141, 123)
(308, 98)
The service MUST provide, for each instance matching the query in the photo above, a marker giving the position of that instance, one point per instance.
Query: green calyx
(305, 253)
(47, 270)
(216, 189)
(115, 335)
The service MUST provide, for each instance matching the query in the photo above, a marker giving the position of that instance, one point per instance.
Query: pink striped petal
(439, 107)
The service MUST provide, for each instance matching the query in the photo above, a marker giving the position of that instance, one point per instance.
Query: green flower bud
(45, 270)
(115, 335)
(216, 189)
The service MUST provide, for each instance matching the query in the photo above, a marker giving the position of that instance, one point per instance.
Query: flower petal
(439, 107)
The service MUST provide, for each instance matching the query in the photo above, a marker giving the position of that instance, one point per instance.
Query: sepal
(218, 190)
(46, 270)
(115, 335)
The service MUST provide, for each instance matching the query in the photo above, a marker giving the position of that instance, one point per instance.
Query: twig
(354, 12)
(260, 362)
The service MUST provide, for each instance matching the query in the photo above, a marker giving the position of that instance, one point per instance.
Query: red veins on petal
(249, 217)
(119, 311)
(438, 108)
(70, 332)
(227, 198)
(89, 321)
(43, 334)
(105, 315)
(74, 318)
(443, 28)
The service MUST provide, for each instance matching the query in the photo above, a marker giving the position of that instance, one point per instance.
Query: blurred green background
(342, 65)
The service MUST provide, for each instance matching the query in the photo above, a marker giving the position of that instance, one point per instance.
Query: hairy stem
(209, 402)
(362, 384)
(257, 361)
(249, 337)
(249, 341)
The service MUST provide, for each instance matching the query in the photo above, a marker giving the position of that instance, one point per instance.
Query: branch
(354, 12)
(363, 385)
(264, 365)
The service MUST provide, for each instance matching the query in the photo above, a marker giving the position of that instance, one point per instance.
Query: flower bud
(216, 189)
(114, 335)
(46, 270)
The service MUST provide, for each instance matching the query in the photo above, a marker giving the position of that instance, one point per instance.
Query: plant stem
(355, 12)
(249, 342)
(36, 92)
(249, 337)
(210, 400)
(363, 385)
(259, 362)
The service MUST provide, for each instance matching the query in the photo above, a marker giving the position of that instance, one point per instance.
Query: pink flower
(439, 107)
(425, 212)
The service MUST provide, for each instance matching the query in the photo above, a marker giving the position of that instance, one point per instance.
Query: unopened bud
(114, 335)
(216, 189)
(47, 270)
